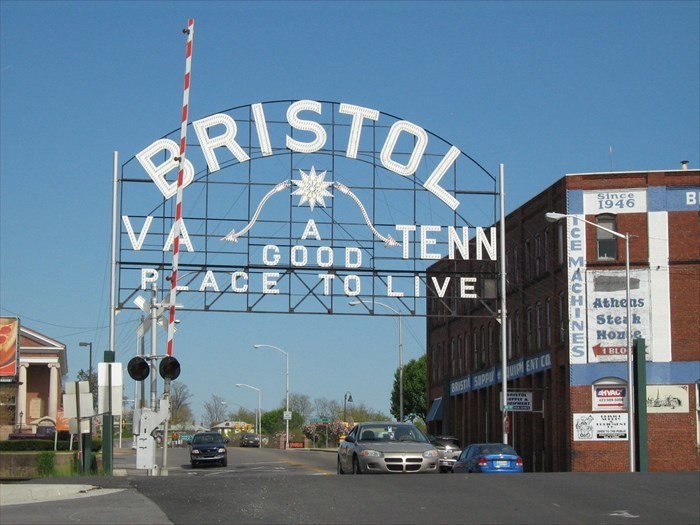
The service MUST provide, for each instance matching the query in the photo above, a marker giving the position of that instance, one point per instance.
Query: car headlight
(430, 454)
(222, 450)
(195, 451)
(368, 453)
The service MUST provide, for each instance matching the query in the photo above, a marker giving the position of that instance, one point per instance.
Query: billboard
(302, 206)
(607, 313)
(9, 346)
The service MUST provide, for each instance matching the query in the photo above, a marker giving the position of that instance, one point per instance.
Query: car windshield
(201, 439)
(497, 448)
(448, 441)
(391, 433)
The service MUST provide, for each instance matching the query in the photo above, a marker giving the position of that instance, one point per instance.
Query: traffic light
(169, 368)
(138, 368)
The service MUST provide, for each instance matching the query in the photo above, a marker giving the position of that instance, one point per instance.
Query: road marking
(622, 514)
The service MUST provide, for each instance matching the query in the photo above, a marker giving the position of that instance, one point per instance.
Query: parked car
(208, 448)
(449, 448)
(488, 458)
(386, 447)
(250, 440)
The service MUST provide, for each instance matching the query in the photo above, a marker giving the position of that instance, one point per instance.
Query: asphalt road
(300, 487)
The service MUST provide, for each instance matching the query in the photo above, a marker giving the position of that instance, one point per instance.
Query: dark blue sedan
(488, 458)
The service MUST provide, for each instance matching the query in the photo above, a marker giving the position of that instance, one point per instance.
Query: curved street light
(554, 217)
(258, 418)
(398, 312)
(286, 376)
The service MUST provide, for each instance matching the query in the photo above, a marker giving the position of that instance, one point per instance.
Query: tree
(327, 408)
(180, 411)
(358, 412)
(415, 395)
(272, 422)
(214, 411)
(300, 405)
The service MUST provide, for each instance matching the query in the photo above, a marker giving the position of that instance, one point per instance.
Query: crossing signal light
(138, 368)
(169, 368)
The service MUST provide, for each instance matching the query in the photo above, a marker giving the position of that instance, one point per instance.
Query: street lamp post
(286, 377)
(87, 443)
(258, 422)
(347, 399)
(554, 217)
(398, 312)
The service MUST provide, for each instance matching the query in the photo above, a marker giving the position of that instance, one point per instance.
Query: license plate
(501, 463)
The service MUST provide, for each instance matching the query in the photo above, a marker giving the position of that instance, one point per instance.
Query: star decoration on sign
(312, 188)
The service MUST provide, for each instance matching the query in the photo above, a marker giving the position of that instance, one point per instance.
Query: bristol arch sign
(301, 206)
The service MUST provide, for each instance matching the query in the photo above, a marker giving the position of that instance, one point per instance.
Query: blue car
(488, 458)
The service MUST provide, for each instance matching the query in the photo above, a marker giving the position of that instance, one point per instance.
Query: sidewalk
(19, 493)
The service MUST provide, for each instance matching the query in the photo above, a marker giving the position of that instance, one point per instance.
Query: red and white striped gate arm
(180, 175)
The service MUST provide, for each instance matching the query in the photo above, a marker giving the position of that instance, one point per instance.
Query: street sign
(320, 420)
(518, 402)
(287, 416)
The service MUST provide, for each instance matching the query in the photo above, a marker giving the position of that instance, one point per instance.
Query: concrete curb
(20, 493)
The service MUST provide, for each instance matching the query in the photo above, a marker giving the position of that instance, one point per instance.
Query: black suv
(208, 447)
(449, 449)
(250, 440)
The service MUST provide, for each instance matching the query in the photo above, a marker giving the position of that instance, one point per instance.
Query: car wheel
(339, 468)
(194, 464)
(224, 463)
(356, 466)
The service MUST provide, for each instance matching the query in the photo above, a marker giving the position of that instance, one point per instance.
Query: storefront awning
(435, 412)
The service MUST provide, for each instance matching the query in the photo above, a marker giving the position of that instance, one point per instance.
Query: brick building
(566, 330)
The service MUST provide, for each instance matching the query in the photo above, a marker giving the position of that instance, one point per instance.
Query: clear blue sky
(544, 87)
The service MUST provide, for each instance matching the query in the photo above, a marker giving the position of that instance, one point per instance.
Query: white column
(53, 390)
(21, 405)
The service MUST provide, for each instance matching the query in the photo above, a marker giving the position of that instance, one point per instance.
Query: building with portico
(31, 396)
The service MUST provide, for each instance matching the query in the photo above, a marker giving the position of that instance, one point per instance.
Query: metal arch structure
(299, 206)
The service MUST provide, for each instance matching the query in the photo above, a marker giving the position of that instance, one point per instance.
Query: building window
(516, 268)
(475, 348)
(538, 325)
(466, 351)
(548, 321)
(526, 260)
(482, 343)
(538, 256)
(561, 246)
(453, 358)
(433, 363)
(460, 352)
(528, 331)
(547, 243)
(510, 337)
(607, 242)
(517, 333)
(562, 317)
